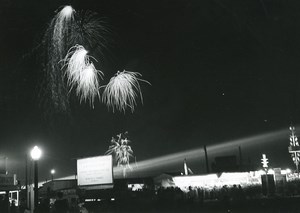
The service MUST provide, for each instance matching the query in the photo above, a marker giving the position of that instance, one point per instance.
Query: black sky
(219, 70)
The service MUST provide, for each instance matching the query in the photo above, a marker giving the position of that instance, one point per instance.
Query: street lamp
(52, 173)
(35, 155)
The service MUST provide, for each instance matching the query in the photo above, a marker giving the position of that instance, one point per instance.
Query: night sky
(219, 71)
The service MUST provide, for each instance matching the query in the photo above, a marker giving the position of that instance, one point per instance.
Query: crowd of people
(60, 205)
(158, 199)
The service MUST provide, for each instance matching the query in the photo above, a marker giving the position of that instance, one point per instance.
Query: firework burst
(75, 62)
(91, 31)
(88, 85)
(81, 73)
(121, 150)
(122, 90)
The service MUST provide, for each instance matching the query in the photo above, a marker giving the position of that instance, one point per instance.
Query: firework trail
(122, 90)
(56, 39)
(62, 28)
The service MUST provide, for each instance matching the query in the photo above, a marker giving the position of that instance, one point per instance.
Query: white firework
(81, 73)
(88, 85)
(75, 62)
(63, 22)
(122, 90)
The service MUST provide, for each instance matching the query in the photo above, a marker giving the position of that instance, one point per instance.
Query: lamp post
(52, 174)
(35, 155)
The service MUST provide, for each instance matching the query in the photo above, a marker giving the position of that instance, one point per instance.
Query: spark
(93, 32)
(122, 90)
(81, 73)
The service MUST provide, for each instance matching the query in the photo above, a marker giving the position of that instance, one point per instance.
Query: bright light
(271, 171)
(213, 180)
(52, 171)
(36, 153)
(67, 11)
(112, 199)
(261, 172)
(264, 161)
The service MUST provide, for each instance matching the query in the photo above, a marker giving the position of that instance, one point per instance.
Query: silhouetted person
(22, 205)
(5, 203)
(27, 210)
(74, 208)
(44, 206)
(82, 208)
(61, 205)
(1, 203)
(13, 208)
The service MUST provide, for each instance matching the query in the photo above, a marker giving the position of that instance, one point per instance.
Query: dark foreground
(289, 204)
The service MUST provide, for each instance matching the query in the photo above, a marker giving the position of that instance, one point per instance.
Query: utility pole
(185, 168)
(26, 180)
(241, 159)
(206, 159)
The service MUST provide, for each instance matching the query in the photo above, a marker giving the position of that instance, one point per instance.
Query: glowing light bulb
(36, 153)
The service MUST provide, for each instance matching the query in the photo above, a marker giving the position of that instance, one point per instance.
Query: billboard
(94, 170)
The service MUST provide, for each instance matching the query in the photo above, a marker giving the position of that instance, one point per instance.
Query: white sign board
(95, 170)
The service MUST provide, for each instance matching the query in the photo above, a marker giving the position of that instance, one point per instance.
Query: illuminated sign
(264, 161)
(94, 170)
(213, 180)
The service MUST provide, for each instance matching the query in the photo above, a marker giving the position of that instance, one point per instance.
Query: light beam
(164, 162)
